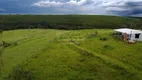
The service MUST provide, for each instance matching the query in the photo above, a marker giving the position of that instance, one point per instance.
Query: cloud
(48, 4)
(76, 3)
(70, 6)
(118, 7)
(57, 3)
(126, 8)
(101, 7)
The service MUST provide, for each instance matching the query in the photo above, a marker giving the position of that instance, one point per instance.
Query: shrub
(14, 43)
(108, 47)
(5, 44)
(19, 73)
(0, 31)
(103, 39)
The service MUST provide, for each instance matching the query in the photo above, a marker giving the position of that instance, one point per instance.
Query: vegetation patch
(108, 47)
(66, 22)
(7, 44)
(1, 61)
(103, 38)
(19, 73)
(91, 35)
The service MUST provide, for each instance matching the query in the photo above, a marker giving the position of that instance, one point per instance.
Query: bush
(5, 44)
(108, 47)
(0, 31)
(19, 73)
(103, 39)
(14, 43)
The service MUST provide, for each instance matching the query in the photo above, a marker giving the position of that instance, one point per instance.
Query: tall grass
(70, 55)
(1, 61)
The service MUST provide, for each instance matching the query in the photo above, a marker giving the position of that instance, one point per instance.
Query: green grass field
(39, 54)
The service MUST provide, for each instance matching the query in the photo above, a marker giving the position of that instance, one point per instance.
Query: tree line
(67, 22)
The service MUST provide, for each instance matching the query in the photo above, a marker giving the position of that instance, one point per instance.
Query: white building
(130, 34)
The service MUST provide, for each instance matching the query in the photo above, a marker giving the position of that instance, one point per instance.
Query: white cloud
(69, 6)
(75, 2)
(57, 4)
(90, 6)
(48, 4)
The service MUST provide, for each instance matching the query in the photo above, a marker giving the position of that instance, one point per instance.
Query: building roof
(128, 31)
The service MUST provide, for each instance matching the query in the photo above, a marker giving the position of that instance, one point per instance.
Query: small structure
(130, 35)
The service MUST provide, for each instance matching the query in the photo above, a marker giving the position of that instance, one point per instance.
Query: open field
(69, 22)
(47, 54)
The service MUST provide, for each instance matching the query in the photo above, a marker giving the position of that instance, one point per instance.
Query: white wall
(140, 39)
(133, 37)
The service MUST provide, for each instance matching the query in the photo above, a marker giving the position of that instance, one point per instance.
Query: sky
(92, 7)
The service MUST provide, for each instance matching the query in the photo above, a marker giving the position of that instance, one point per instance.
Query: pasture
(47, 54)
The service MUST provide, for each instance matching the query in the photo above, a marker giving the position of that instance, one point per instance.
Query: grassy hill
(67, 22)
(38, 54)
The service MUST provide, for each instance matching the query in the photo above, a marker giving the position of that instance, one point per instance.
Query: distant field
(38, 54)
(67, 22)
